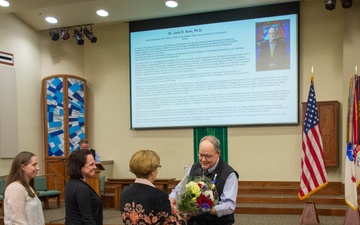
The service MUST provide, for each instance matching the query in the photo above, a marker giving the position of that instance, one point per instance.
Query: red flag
(313, 175)
(352, 159)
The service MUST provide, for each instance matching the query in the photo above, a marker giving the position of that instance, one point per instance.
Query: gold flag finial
(312, 74)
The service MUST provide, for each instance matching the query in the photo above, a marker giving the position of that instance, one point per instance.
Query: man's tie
(205, 172)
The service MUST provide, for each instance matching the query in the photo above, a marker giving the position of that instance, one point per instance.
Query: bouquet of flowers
(197, 196)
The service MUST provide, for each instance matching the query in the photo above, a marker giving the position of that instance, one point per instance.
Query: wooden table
(120, 183)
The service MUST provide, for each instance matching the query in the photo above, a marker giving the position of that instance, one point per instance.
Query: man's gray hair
(213, 140)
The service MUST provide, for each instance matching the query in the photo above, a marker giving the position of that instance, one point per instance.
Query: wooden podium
(94, 181)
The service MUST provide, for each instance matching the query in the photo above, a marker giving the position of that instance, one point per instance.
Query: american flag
(313, 175)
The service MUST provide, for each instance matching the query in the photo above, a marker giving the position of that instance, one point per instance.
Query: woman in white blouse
(21, 204)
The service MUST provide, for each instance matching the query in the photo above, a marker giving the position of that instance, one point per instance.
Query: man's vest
(222, 172)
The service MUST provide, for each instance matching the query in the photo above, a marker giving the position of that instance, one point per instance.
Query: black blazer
(82, 204)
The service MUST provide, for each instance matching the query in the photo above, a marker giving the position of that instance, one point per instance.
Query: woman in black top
(141, 202)
(82, 203)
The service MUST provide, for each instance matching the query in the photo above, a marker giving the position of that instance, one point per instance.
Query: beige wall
(22, 41)
(327, 42)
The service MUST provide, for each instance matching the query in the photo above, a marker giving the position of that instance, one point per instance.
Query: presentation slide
(233, 73)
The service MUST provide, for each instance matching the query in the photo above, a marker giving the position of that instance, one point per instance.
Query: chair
(43, 193)
(102, 185)
(102, 190)
(2, 190)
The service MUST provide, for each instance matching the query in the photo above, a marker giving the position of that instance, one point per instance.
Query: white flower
(209, 194)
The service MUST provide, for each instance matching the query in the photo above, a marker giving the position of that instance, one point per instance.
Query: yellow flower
(193, 188)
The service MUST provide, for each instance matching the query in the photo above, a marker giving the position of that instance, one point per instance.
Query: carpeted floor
(111, 216)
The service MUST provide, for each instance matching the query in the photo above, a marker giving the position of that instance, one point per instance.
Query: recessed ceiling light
(4, 3)
(50, 19)
(102, 13)
(171, 4)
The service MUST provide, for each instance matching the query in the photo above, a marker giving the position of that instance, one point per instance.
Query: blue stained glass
(49, 97)
(82, 136)
(74, 107)
(56, 112)
(55, 124)
(50, 117)
(78, 97)
(58, 153)
(74, 129)
(76, 104)
(72, 135)
(73, 119)
(56, 81)
(56, 133)
(50, 108)
(59, 97)
(75, 87)
(51, 89)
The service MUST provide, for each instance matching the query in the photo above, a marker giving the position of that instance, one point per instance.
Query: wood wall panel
(329, 127)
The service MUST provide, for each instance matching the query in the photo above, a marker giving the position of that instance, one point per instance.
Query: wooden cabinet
(329, 127)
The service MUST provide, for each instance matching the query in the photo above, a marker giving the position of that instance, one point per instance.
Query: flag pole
(312, 81)
(309, 215)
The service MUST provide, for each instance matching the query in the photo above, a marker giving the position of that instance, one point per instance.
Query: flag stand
(352, 217)
(309, 215)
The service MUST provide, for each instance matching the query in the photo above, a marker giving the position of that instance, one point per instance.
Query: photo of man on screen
(272, 49)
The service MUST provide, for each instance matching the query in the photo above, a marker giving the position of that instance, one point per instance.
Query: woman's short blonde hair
(143, 163)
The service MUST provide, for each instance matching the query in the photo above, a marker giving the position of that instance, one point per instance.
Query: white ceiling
(78, 12)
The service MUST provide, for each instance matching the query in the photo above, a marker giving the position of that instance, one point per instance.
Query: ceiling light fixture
(54, 34)
(330, 4)
(90, 35)
(346, 3)
(171, 4)
(102, 12)
(79, 31)
(50, 19)
(64, 33)
(78, 36)
(4, 3)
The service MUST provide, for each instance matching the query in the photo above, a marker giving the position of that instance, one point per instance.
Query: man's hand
(213, 211)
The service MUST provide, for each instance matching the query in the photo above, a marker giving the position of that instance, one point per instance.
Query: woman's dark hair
(76, 161)
(17, 174)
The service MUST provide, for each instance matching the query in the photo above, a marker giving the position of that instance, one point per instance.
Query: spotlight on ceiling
(4, 3)
(54, 34)
(346, 3)
(330, 4)
(90, 35)
(64, 33)
(78, 36)
(171, 4)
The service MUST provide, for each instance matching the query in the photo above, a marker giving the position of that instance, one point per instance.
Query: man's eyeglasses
(205, 156)
(159, 167)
